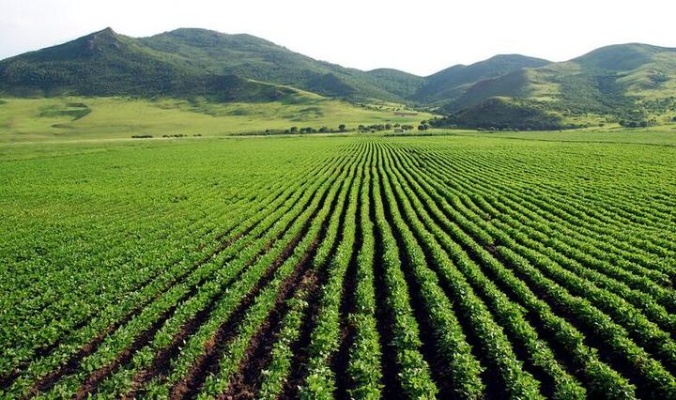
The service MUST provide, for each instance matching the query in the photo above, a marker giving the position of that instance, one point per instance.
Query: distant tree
(294, 129)
(388, 127)
(342, 127)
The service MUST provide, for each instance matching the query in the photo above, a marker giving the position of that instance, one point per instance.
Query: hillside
(255, 58)
(397, 82)
(91, 118)
(453, 82)
(179, 63)
(106, 63)
(630, 83)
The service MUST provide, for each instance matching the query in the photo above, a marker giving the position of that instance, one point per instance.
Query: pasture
(96, 118)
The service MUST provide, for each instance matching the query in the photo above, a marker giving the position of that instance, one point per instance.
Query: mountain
(598, 80)
(500, 113)
(451, 83)
(397, 82)
(634, 83)
(633, 69)
(105, 63)
(619, 58)
(631, 83)
(181, 62)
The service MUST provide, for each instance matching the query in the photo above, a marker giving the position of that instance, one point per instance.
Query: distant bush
(142, 136)
(637, 123)
(497, 114)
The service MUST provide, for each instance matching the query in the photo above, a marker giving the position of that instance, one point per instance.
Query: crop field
(366, 267)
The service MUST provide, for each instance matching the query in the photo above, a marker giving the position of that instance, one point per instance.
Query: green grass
(78, 118)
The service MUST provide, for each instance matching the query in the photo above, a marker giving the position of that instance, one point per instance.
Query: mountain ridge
(613, 80)
(450, 82)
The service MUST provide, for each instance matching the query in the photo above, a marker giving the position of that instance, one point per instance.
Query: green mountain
(498, 113)
(397, 82)
(452, 83)
(105, 63)
(633, 71)
(632, 83)
(183, 62)
(254, 58)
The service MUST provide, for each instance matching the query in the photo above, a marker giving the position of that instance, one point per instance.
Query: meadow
(96, 118)
(463, 265)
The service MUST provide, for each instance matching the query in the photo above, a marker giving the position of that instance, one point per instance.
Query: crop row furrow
(557, 382)
(205, 292)
(650, 373)
(557, 206)
(638, 279)
(143, 296)
(302, 256)
(414, 375)
(320, 381)
(364, 365)
(202, 349)
(600, 379)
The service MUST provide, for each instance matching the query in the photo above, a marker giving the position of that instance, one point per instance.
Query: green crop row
(362, 267)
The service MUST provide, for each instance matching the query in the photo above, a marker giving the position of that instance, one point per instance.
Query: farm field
(479, 267)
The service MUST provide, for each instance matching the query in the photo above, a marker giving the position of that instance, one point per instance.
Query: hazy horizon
(422, 38)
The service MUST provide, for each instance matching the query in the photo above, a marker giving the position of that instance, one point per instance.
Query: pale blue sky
(420, 37)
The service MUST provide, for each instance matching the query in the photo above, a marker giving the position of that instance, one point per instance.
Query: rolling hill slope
(179, 63)
(255, 58)
(106, 64)
(630, 82)
(453, 82)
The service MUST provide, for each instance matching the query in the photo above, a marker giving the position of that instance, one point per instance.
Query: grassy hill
(93, 118)
(107, 64)
(397, 82)
(633, 84)
(452, 83)
(184, 62)
(256, 58)
(500, 113)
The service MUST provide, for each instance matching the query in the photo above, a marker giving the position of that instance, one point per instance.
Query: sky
(420, 37)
